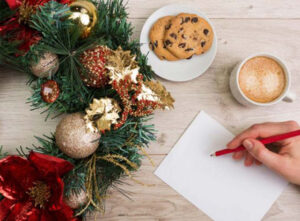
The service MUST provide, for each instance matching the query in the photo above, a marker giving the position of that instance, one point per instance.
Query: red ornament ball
(49, 91)
(94, 60)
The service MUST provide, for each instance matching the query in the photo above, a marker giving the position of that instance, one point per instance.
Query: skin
(286, 162)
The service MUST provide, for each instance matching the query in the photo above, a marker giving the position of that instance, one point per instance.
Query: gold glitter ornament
(102, 114)
(74, 139)
(76, 199)
(120, 64)
(84, 14)
(155, 91)
(47, 65)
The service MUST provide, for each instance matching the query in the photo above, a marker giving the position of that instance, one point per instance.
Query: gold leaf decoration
(101, 114)
(120, 64)
(155, 91)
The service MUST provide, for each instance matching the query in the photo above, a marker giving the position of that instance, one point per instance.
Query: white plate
(182, 70)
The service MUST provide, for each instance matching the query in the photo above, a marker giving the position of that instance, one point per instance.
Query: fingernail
(247, 144)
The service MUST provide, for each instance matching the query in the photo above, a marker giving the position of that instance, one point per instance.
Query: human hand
(286, 162)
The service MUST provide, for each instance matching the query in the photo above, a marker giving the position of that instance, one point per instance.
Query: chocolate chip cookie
(156, 36)
(189, 34)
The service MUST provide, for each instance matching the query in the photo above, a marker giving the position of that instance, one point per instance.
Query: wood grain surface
(243, 27)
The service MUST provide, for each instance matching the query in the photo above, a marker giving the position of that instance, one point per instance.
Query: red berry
(50, 91)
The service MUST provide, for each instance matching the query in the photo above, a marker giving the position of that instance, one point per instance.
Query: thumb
(262, 154)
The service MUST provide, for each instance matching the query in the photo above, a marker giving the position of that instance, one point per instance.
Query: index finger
(263, 130)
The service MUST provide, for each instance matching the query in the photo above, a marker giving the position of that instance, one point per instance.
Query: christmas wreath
(81, 61)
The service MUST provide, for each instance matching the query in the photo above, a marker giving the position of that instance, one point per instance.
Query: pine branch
(5, 11)
(2, 154)
(124, 141)
(62, 37)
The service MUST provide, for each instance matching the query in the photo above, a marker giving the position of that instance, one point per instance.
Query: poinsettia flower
(33, 188)
(17, 26)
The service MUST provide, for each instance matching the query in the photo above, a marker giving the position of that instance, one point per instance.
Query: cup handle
(289, 97)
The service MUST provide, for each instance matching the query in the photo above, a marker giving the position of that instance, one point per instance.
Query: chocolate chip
(203, 43)
(151, 46)
(189, 49)
(182, 45)
(173, 35)
(183, 36)
(168, 42)
(180, 29)
(155, 44)
(195, 39)
(167, 27)
(205, 31)
(189, 57)
(182, 20)
(185, 20)
(163, 57)
(194, 20)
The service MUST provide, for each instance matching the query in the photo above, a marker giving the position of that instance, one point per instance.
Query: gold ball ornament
(46, 66)
(84, 14)
(73, 138)
(76, 199)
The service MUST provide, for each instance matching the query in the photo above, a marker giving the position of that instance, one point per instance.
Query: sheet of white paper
(221, 187)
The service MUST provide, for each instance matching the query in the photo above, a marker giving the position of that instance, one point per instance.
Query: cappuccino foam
(262, 79)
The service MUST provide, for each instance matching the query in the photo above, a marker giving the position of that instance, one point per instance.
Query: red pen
(267, 140)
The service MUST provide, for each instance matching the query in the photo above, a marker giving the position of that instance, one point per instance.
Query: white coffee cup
(243, 99)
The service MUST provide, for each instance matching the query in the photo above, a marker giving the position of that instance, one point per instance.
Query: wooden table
(243, 27)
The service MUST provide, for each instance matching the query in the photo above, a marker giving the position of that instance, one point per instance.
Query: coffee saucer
(182, 70)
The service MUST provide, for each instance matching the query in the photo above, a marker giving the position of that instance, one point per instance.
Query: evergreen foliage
(2, 154)
(124, 141)
(62, 37)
